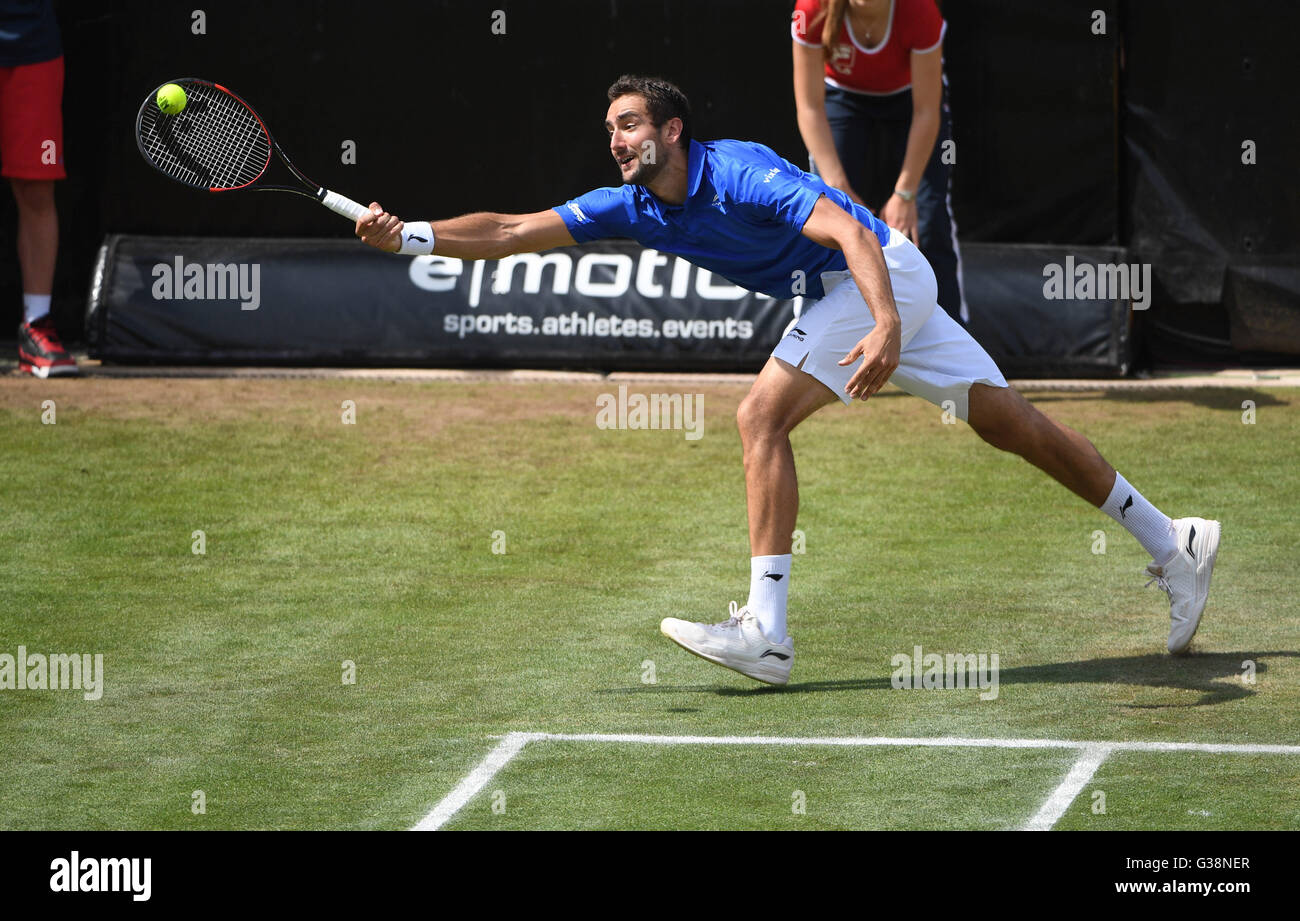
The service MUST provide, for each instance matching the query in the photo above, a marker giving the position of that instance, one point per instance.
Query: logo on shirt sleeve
(577, 212)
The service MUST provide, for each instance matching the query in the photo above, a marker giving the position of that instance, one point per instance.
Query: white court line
(1054, 807)
(475, 781)
(941, 742)
(1078, 777)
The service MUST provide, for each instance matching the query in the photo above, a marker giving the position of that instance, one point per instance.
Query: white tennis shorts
(939, 361)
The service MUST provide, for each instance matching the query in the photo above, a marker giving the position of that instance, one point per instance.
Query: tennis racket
(218, 143)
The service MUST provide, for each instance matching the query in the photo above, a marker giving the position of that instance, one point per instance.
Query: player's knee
(747, 417)
(1000, 416)
(755, 420)
(33, 194)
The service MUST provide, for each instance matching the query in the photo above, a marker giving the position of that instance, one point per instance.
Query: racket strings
(233, 143)
(215, 143)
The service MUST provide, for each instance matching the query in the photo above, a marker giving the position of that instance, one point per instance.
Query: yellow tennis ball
(170, 99)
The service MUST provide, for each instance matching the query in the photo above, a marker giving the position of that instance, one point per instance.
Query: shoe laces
(42, 331)
(732, 621)
(1158, 577)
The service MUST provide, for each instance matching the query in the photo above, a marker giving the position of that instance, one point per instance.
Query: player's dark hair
(662, 101)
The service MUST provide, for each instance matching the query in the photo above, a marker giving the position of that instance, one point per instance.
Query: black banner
(607, 305)
(610, 305)
(1054, 311)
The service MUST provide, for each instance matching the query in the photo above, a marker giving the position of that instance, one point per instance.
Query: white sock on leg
(35, 306)
(769, 589)
(1148, 524)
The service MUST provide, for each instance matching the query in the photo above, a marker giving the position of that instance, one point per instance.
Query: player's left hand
(879, 350)
(901, 215)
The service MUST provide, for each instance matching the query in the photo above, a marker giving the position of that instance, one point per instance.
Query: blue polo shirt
(742, 219)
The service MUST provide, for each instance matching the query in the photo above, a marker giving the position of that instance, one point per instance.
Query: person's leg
(754, 641)
(849, 133)
(781, 398)
(31, 137)
(1008, 421)
(936, 228)
(38, 234)
(944, 365)
(39, 349)
(803, 375)
(1183, 551)
(885, 122)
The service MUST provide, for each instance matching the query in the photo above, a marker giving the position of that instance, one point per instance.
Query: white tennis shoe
(1186, 577)
(737, 643)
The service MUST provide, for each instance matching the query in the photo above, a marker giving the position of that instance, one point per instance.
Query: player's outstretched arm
(832, 226)
(472, 236)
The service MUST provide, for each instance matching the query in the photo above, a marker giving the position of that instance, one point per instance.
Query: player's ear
(673, 131)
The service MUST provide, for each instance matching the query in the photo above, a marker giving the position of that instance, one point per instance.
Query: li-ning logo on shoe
(772, 652)
(1190, 537)
(774, 576)
(798, 333)
(1128, 503)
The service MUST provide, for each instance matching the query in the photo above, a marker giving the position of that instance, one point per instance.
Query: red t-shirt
(914, 25)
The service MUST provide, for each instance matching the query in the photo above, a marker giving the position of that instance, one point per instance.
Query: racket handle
(341, 204)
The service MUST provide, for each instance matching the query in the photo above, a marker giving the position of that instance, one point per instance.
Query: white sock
(769, 588)
(1148, 524)
(35, 306)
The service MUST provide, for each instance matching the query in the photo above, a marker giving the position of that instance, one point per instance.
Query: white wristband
(417, 239)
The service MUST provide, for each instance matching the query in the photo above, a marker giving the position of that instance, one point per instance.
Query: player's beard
(646, 169)
(645, 172)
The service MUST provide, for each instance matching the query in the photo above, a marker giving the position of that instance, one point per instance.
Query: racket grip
(341, 204)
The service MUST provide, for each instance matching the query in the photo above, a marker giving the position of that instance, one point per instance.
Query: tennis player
(738, 209)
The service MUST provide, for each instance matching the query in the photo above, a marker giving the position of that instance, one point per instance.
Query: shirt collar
(694, 176)
(694, 168)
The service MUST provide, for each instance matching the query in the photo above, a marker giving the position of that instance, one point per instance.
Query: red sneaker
(40, 352)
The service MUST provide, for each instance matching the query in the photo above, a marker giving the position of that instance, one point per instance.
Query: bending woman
(873, 111)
